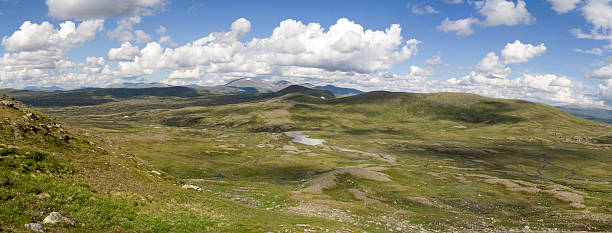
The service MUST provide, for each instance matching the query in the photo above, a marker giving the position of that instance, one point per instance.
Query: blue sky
(544, 58)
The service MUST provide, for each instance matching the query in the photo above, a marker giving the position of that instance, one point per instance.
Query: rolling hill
(46, 166)
(390, 161)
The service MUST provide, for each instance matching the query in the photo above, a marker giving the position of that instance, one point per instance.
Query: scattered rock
(56, 217)
(189, 186)
(34, 227)
(31, 116)
(8, 104)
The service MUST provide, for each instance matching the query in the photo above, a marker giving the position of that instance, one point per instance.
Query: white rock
(188, 186)
(56, 217)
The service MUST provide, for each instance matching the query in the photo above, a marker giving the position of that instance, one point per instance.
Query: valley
(303, 160)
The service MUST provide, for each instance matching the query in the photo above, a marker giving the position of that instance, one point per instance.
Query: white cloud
(39, 52)
(94, 64)
(545, 88)
(563, 6)
(141, 36)
(127, 52)
(604, 72)
(293, 48)
(123, 31)
(518, 52)
(96, 9)
(491, 67)
(163, 38)
(594, 51)
(186, 74)
(422, 10)
(598, 13)
(435, 61)
(127, 12)
(44, 36)
(61, 64)
(462, 27)
(502, 12)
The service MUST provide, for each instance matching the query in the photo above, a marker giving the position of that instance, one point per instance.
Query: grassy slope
(45, 169)
(194, 139)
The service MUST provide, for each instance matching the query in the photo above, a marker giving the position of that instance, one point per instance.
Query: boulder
(188, 186)
(56, 217)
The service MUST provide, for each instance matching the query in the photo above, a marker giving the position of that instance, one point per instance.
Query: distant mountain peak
(273, 86)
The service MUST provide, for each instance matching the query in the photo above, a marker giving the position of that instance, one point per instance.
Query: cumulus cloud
(294, 48)
(94, 64)
(495, 12)
(604, 72)
(461, 27)
(44, 36)
(38, 52)
(127, 52)
(599, 14)
(501, 12)
(491, 67)
(546, 88)
(453, 1)
(186, 74)
(518, 52)
(563, 6)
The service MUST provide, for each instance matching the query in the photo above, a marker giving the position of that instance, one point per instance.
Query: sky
(550, 51)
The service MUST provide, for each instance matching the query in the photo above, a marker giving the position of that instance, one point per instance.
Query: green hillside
(47, 167)
(402, 162)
